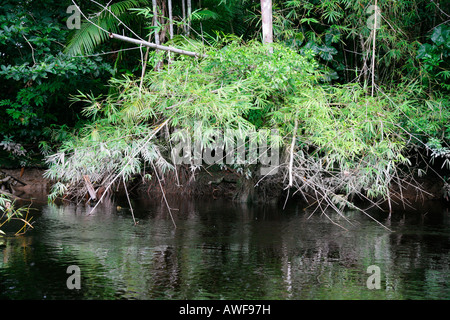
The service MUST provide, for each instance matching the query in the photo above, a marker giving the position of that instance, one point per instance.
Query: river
(223, 250)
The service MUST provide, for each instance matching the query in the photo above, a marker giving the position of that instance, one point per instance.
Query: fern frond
(89, 36)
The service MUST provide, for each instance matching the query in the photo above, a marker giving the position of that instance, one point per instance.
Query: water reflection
(222, 250)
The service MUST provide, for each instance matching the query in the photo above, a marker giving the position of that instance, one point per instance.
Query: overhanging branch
(156, 46)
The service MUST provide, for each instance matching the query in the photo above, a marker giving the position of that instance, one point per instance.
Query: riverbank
(219, 185)
(36, 186)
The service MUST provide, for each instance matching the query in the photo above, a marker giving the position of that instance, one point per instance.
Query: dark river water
(222, 250)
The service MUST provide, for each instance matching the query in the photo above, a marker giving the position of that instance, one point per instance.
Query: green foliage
(35, 76)
(312, 88)
(100, 151)
(228, 17)
(89, 37)
(236, 87)
(347, 143)
(339, 31)
(426, 120)
(435, 58)
(9, 211)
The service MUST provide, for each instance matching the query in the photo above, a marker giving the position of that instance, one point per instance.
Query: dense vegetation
(357, 90)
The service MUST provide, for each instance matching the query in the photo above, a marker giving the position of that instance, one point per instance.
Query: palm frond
(89, 36)
(204, 14)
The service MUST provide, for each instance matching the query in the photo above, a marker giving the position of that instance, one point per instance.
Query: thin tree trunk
(189, 12)
(183, 9)
(364, 68)
(291, 154)
(145, 59)
(266, 15)
(163, 22)
(169, 3)
(373, 47)
(267, 25)
(169, 9)
(155, 20)
(155, 24)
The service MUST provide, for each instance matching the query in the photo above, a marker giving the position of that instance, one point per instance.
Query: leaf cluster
(347, 143)
(35, 76)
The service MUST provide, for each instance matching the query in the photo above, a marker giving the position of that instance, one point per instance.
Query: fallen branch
(291, 160)
(90, 187)
(164, 195)
(128, 197)
(156, 46)
(21, 182)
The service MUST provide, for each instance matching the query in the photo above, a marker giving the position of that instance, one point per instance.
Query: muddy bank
(219, 184)
(224, 184)
(35, 185)
(235, 187)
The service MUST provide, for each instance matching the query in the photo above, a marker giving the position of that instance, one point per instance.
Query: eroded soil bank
(36, 186)
(219, 184)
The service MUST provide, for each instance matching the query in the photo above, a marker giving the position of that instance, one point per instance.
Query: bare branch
(156, 46)
(291, 160)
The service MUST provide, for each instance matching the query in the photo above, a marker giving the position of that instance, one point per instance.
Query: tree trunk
(155, 21)
(183, 9)
(90, 187)
(169, 3)
(266, 15)
(189, 12)
(155, 24)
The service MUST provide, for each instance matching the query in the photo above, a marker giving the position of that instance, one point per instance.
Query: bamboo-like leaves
(341, 142)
